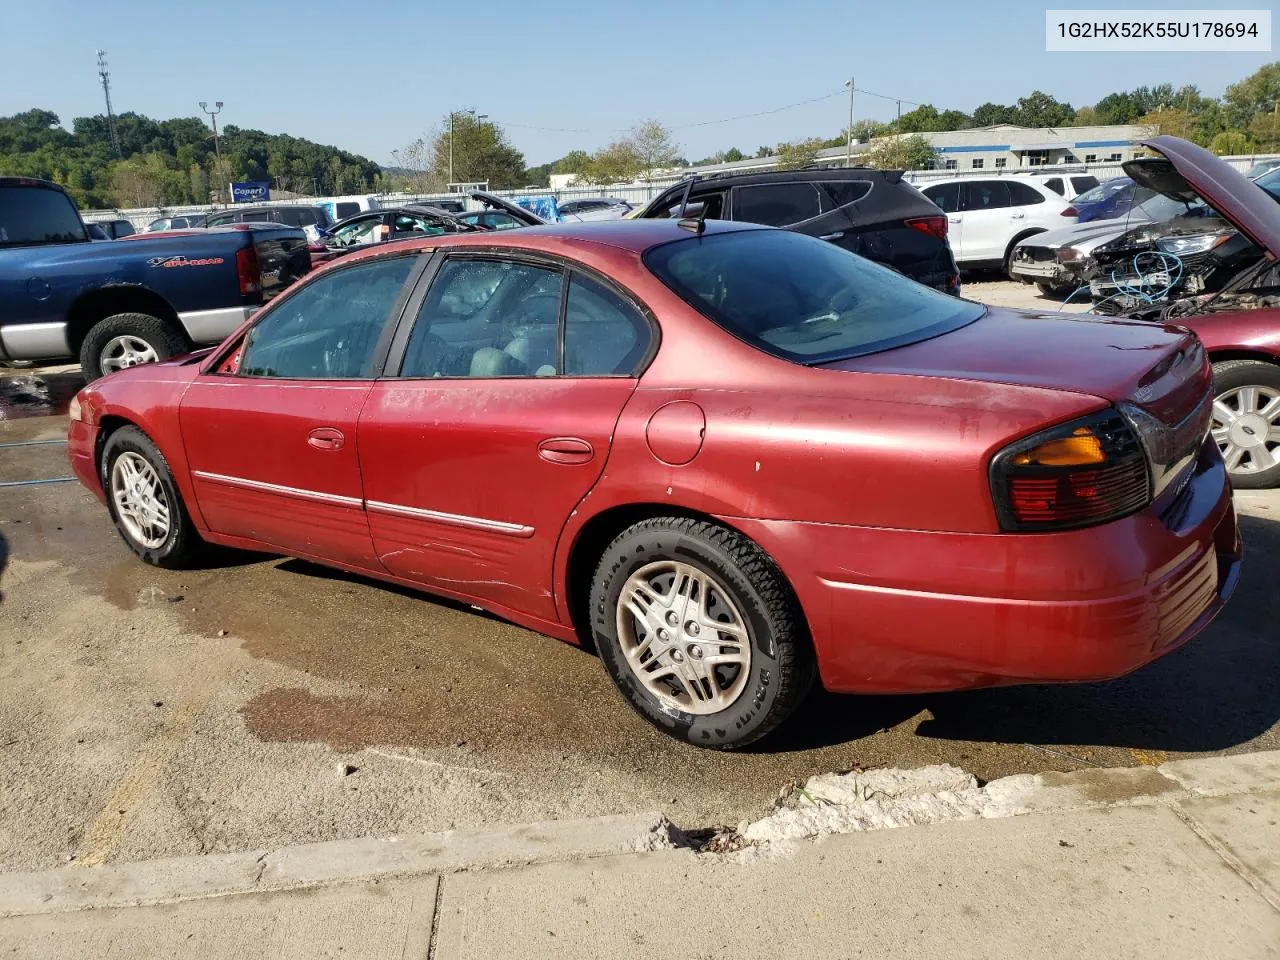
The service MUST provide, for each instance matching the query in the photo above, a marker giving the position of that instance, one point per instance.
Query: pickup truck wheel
(127, 340)
(144, 502)
(1246, 421)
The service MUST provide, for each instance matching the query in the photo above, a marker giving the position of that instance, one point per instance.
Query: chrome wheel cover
(140, 500)
(126, 351)
(683, 637)
(1246, 427)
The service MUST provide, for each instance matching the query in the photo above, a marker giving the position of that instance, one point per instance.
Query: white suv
(989, 216)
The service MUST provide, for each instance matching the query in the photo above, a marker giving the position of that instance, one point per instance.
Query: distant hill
(170, 162)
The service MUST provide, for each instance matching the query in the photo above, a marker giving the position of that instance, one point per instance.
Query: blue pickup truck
(141, 299)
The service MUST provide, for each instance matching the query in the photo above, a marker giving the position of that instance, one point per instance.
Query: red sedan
(729, 460)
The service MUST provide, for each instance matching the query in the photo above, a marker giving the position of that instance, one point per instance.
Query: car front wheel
(700, 631)
(1246, 421)
(144, 502)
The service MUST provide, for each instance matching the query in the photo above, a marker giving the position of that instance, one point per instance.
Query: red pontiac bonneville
(732, 460)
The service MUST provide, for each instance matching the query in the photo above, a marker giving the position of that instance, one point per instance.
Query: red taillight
(934, 226)
(248, 270)
(1082, 473)
(1071, 212)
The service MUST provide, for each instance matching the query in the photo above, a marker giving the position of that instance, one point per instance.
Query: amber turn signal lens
(1081, 448)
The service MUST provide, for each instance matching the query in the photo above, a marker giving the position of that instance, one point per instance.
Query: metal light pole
(217, 147)
(848, 150)
(453, 113)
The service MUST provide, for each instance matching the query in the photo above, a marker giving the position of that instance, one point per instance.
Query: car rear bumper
(894, 611)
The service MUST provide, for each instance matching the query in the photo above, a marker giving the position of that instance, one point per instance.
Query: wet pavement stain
(25, 395)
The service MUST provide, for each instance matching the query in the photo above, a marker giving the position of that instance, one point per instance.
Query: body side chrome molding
(453, 519)
(376, 506)
(297, 492)
(35, 341)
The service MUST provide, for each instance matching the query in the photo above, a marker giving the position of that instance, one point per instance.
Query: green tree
(923, 119)
(990, 114)
(617, 163)
(575, 161)
(653, 147)
(1264, 131)
(802, 153)
(733, 155)
(1229, 143)
(1039, 109)
(481, 153)
(1257, 93)
(912, 152)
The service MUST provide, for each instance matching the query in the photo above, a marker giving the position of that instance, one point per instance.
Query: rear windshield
(346, 209)
(30, 215)
(801, 298)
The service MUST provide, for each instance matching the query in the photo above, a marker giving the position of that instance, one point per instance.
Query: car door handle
(954, 219)
(1017, 216)
(565, 450)
(832, 236)
(326, 438)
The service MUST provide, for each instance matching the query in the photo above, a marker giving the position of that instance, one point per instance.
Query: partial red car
(1243, 341)
(730, 458)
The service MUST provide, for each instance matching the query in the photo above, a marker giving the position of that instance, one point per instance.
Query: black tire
(183, 543)
(1053, 289)
(158, 334)
(1231, 375)
(782, 666)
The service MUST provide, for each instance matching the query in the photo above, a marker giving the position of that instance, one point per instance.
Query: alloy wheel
(126, 351)
(140, 500)
(684, 638)
(1246, 427)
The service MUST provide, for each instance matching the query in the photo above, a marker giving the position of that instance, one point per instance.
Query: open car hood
(527, 217)
(1184, 171)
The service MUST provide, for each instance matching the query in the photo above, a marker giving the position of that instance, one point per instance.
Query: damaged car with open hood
(1213, 268)
(1188, 252)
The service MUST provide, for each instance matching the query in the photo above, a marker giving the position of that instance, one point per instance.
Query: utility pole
(105, 77)
(897, 123)
(217, 147)
(848, 150)
(453, 113)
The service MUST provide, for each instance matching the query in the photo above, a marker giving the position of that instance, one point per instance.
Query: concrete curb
(176, 879)
(320, 864)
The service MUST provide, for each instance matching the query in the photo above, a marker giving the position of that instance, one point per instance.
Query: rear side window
(979, 195)
(345, 209)
(603, 334)
(1081, 184)
(838, 193)
(1055, 184)
(946, 196)
(714, 203)
(802, 299)
(31, 215)
(222, 220)
(1023, 194)
(776, 204)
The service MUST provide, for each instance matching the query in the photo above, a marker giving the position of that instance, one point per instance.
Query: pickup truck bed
(138, 299)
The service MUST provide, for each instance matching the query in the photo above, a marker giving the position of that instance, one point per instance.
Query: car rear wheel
(127, 340)
(1246, 421)
(144, 502)
(700, 631)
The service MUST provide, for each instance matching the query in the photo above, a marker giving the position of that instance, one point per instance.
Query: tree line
(170, 162)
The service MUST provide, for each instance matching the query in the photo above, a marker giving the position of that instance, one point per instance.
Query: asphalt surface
(261, 701)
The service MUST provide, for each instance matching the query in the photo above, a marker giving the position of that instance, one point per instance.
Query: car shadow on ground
(1219, 691)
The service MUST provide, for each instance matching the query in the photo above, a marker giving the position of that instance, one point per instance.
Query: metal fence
(637, 193)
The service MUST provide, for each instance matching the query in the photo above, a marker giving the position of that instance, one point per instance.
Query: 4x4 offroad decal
(181, 261)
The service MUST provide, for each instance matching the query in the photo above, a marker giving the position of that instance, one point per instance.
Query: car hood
(527, 217)
(1184, 170)
(1078, 234)
(1111, 359)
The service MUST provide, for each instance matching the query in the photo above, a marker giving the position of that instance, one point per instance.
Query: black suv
(870, 212)
(294, 215)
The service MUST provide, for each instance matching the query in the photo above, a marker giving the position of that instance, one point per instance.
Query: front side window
(357, 233)
(405, 223)
(801, 299)
(330, 328)
(487, 318)
(713, 202)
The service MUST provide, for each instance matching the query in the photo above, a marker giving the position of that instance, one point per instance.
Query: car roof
(30, 182)
(807, 175)
(633, 236)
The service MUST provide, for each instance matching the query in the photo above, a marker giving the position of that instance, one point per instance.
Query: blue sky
(373, 75)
